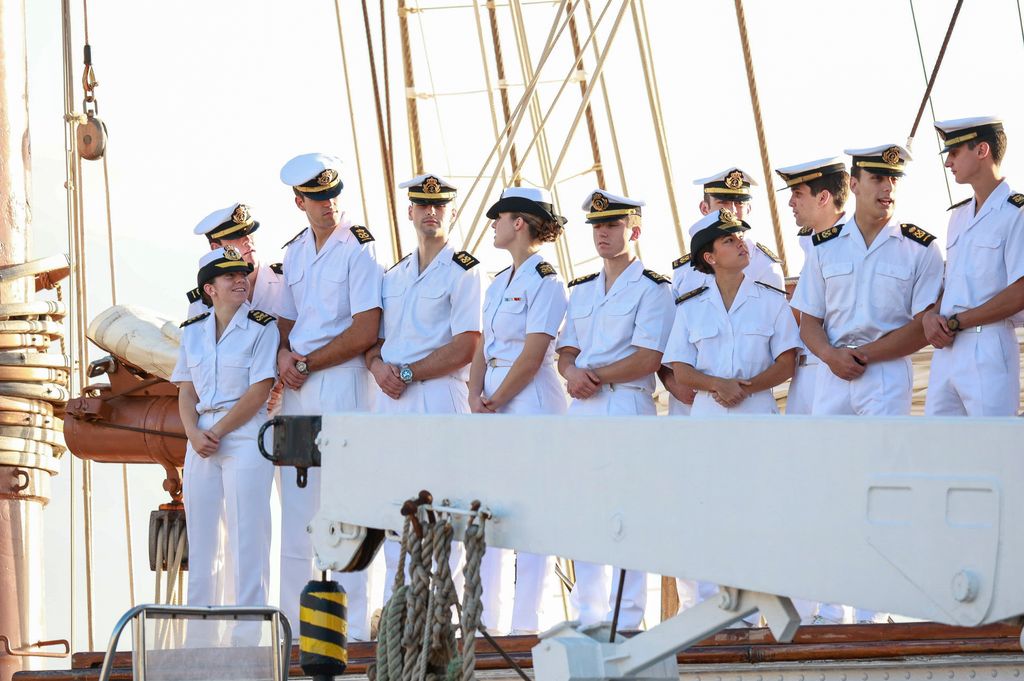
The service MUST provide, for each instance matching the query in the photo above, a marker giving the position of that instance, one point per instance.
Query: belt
(494, 362)
(612, 387)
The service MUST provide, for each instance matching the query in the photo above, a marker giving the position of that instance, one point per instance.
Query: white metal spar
(902, 515)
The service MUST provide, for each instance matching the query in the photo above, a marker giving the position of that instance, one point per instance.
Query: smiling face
(321, 214)
(611, 239)
(430, 220)
(729, 254)
(230, 289)
(875, 194)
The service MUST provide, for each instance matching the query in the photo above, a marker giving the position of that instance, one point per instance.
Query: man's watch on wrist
(405, 373)
(953, 323)
(302, 367)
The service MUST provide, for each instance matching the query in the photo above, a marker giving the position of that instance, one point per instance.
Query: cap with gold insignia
(888, 159)
(220, 261)
(232, 222)
(532, 200)
(812, 170)
(429, 190)
(961, 130)
(603, 206)
(713, 226)
(732, 184)
(315, 176)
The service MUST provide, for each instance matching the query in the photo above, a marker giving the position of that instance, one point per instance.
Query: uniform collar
(341, 234)
(530, 264)
(629, 275)
(996, 198)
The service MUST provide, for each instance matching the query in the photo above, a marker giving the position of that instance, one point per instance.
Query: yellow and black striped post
(323, 629)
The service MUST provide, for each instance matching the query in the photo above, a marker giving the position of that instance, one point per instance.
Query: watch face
(953, 324)
(301, 367)
(406, 374)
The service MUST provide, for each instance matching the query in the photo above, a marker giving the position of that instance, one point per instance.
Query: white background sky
(205, 101)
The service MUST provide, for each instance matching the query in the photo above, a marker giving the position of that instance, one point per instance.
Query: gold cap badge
(725, 215)
(231, 253)
(327, 177)
(240, 215)
(734, 180)
(431, 186)
(891, 155)
(599, 202)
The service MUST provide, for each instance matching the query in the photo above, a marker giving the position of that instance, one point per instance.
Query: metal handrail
(212, 612)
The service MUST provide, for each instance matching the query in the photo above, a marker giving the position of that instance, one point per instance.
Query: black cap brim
(518, 204)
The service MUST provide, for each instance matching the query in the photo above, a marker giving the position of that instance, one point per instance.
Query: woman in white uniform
(226, 368)
(734, 339)
(513, 371)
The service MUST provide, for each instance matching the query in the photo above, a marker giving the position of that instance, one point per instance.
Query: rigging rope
(410, 92)
(935, 72)
(351, 110)
(762, 143)
(487, 79)
(499, 67)
(595, 148)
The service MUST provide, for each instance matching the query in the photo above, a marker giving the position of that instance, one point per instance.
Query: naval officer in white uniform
(514, 367)
(431, 325)
(976, 365)
(609, 348)
(728, 189)
(226, 367)
(329, 315)
(863, 291)
(735, 338)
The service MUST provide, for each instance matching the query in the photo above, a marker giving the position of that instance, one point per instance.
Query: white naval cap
(960, 130)
(232, 222)
(885, 159)
(220, 261)
(603, 206)
(430, 188)
(717, 218)
(532, 200)
(731, 184)
(317, 176)
(811, 170)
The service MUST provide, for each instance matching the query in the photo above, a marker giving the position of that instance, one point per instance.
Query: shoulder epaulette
(805, 231)
(400, 261)
(294, 238)
(959, 203)
(1016, 199)
(830, 233)
(657, 278)
(193, 320)
(915, 233)
(767, 251)
(362, 234)
(583, 279)
(545, 269)
(774, 288)
(691, 294)
(194, 295)
(679, 262)
(277, 268)
(465, 260)
(261, 317)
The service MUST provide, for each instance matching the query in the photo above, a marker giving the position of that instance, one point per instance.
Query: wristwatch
(302, 367)
(953, 323)
(405, 373)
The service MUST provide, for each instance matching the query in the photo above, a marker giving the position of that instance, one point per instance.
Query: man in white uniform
(862, 294)
(329, 315)
(976, 366)
(609, 350)
(431, 326)
(726, 190)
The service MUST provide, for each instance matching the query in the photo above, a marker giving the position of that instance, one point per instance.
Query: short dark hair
(837, 184)
(540, 229)
(855, 172)
(697, 258)
(996, 140)
(204, 296)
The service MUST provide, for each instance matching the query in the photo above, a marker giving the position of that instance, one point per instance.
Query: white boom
(902, 515)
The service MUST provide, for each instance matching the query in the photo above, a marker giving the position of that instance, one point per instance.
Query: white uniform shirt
(424, 311)
(635, 313)
(984, 252)
(519, 304)
(740, 342)
(222, 370)
(264, 297)
(324, 290)
(863, 293)
(762, 267)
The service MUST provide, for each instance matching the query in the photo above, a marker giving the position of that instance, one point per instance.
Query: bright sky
(205, 101)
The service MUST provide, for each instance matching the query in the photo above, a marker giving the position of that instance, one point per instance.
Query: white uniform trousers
(759, 403)
(234, 482)
(800, 399)
(594, 594)
(543, 395)
(329, 391)
(979, 375)
(677, 408)
(884, 389)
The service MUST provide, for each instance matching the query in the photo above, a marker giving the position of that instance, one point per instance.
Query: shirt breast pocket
(986, 259)
(840, 289)
(234, 375)
(434, 304)
(755, 349)
(582, 319)
(391, 293)
(894, 284)
(510, 320)
(704, 337)
(618, 321)
(334, 295)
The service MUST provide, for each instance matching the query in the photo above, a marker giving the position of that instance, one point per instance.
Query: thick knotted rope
(472, 603)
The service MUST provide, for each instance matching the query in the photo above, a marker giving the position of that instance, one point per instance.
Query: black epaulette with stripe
(656, 278)
(830, 233)
(690, 294)
(769, 286)
(1016, 200)
(915, 233)
(679, 262)
(400, 261)
(545, 269)
(277, 268)
(959, 203)
(295, 238)
(361, 234)
(261, 317)
(805, 231)
(584, 279)
(465, 260)
(193, 320)
(767, 251)
(194, 295)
